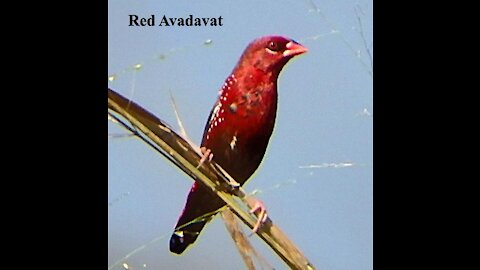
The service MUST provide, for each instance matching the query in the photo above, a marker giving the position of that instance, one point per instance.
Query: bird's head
(271, 53)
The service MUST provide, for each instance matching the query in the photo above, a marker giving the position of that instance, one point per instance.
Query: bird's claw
(206, 154)
(257, 206)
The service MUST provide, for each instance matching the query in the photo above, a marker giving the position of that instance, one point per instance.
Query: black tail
(184, 237)
(200, 208)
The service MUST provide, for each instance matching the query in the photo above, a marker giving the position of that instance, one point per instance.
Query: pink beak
(294, 48)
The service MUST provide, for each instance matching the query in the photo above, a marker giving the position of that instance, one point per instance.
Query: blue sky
(316, 179)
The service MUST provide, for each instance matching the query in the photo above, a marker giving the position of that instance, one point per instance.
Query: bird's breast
(240, 126)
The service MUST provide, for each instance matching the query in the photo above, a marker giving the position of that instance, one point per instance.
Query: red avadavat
(239, 127)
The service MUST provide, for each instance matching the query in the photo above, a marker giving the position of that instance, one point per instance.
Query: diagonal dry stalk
(162, 138)
(244, 247)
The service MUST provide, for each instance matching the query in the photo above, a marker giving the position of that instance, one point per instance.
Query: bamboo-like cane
(162, 138)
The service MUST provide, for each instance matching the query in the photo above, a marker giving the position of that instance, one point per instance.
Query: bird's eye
(272, 45)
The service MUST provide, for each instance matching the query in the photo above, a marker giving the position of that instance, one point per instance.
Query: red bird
(238, 128)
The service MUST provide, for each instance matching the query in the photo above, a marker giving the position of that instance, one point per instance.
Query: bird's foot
(259, 208)
(206, 154)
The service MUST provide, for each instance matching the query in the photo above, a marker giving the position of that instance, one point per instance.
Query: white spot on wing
(215, 111)
(233, 142)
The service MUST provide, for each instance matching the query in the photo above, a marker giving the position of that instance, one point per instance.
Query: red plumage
(239, 127)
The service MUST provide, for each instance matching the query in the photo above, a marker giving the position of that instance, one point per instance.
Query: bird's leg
(206, 154)
(258, 207)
